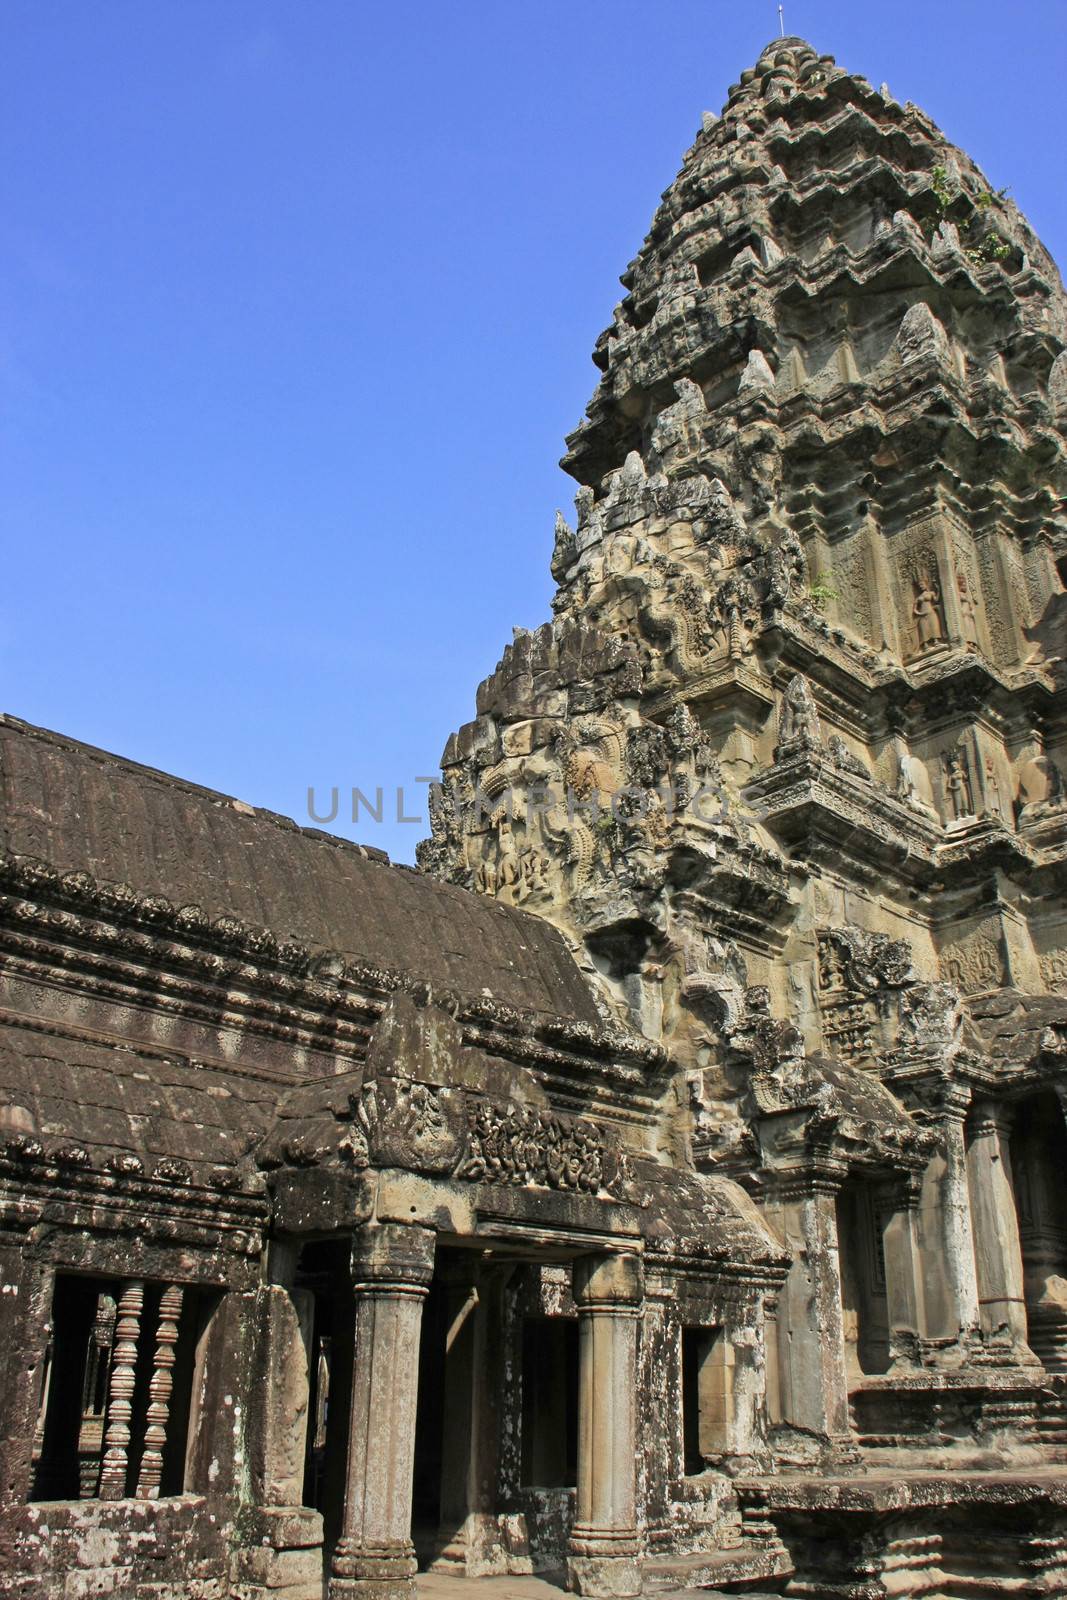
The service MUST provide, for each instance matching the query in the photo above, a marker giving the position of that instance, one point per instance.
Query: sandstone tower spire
(786, 766)
(817, 569)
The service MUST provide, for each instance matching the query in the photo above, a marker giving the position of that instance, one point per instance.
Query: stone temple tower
(787, 764)
(674, 1194)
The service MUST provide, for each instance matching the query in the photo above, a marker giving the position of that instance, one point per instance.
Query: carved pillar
(282, 1550)
(903, 1273)
(1001, 1303)
(391, 1270)
(470, 1465)
(950, 595)
(120, 1394)
(604, 1547)
(811, 1344)
(278, 1429)
(945, 1235)
(25, 1338)
(885, 629)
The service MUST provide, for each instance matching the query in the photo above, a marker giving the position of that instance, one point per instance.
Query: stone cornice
(74, 922)
(53, 1182)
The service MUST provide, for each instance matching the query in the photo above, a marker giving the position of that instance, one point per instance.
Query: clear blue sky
(297, 305)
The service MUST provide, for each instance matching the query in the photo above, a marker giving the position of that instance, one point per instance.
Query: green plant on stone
(944, 192)
(821, 591)
(979, 247)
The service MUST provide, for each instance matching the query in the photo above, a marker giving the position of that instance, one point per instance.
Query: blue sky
(296, 306)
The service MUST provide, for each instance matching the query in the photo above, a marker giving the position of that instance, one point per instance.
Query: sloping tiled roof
(80, 809)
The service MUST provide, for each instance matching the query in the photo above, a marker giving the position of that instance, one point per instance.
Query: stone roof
(91, 1104)
(1017, 1030)
(80, 809)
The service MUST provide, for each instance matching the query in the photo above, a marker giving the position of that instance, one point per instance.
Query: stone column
(118, 1438)
(150, 1475)
(944, 1233)
(391, 1270)
(903, 1273)
(283, 1551)
(811, 1343)
(604, 1547)
(1001, 1302)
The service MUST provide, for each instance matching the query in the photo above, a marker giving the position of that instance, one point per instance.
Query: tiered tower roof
(817, 573)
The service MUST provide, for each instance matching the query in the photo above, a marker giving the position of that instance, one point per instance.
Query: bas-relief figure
(958, 787)
(927, 612)
(663, 1185)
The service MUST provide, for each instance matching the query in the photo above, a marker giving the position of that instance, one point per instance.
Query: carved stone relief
(974, 962)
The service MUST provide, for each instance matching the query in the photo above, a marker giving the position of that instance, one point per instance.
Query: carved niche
(927, 616)
(798, 719)
(1053, 966)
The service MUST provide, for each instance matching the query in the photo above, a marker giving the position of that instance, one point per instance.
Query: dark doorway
(1039, 1161)
(550, 1402)
(324, 1270)
(706, 1397)
(430, 1421)
(457, 1420)
(864, 1303)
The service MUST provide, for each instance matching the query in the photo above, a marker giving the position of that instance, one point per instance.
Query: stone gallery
(665, 1186)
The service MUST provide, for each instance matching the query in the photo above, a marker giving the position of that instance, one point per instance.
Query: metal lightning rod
(781, 20)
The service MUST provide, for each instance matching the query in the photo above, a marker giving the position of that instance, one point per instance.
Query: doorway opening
(430, 1425)
(324, 1270)
(1039, 1160)
(707, 1397)
(864, 1301)
(550, 1402)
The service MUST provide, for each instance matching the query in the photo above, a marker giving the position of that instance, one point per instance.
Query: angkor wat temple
(667, 1183)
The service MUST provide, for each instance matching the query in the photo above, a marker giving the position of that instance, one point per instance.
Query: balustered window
(116, 1388)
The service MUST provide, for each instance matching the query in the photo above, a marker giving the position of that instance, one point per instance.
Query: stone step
(719, 1594)
(740, 1571)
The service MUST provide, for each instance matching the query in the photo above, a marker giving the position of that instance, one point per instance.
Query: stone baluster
(1001, 1302)
(120, 1392)
(159, 1390)
(391, 1270)
(604, 1547)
